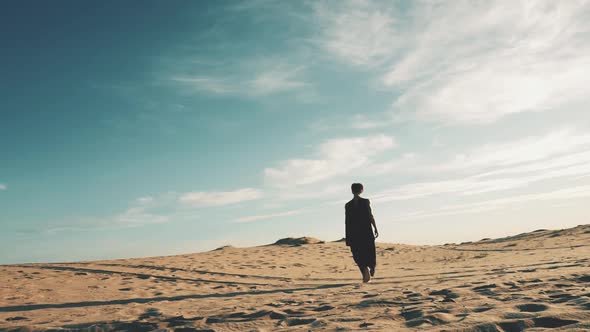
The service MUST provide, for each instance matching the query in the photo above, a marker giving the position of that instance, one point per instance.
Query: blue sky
(151, 128)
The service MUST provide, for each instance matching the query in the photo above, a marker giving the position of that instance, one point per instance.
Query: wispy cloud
(219, 198)
(267, 216)
(138, 216)
(252, 82)
(478, 62)
(333, 157)
(144, 200)
(277, 80)
(360, 121)
(476, 184)
(500, 167)
(502, 203)
(157, 209)
(527, 149)
(3, 186)
(580, 158)
(359, 32)
(466, 62)
(139, 213)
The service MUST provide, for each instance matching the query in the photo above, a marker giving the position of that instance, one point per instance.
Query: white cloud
(143, 211)
(478, 62)
(267, 216)
(360, 121)
(490, 91)
(145, 200)
(569, 166)
(209, 84)
(503, 203)
(334, 157)
(3, 186)
(528, 149)
(157, 209)
(356, 31)
(408, 162)
(276, 80)
(219, 198)
(266, 80)
(138, 216)
(466, 62)
(560, 162)
(560, 154)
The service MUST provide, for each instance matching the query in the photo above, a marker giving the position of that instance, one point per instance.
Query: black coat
(358, 222)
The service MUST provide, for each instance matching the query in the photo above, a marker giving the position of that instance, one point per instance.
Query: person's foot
(366, 275)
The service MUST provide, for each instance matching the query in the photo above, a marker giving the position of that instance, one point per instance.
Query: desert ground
(537, 281)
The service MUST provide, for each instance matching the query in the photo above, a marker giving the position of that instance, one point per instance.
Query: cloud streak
(466, 62)
(158, 209)
(219, 198)
(334, 157)
(370, 42)
(258, 82)
(267, 216)
(528, 149)
(503, 203)
(569, 166)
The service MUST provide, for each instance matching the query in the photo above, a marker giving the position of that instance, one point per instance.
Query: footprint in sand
(150, 312)
(561, 298)
(411, 314)
(16, 318)
(375, 303)
(448, 295)
(299, 321)
(180, 322)
(532, 307)
(323, 308)
(482, 309)
(552, 322)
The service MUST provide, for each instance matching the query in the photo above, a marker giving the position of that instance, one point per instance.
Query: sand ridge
(537, 281)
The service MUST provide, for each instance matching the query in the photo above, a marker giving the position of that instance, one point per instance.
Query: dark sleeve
(369, 212)
(347, 225)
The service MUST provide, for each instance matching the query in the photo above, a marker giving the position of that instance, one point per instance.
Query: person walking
(359, 234)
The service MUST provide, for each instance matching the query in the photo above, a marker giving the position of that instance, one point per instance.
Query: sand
(539, 281)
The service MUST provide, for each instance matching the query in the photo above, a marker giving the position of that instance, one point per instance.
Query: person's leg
(361, 268)
(366, 274)
(357, 255)
(372, 258)
(364, 263)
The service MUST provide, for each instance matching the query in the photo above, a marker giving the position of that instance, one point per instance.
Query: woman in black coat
(359, 234)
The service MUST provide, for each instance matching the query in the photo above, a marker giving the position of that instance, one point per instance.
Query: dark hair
(356, 188)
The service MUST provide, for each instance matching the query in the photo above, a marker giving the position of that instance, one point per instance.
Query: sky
(149, 128)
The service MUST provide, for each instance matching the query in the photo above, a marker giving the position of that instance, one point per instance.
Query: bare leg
(366, 274)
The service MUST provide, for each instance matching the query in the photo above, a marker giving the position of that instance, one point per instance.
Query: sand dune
(538, 281)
